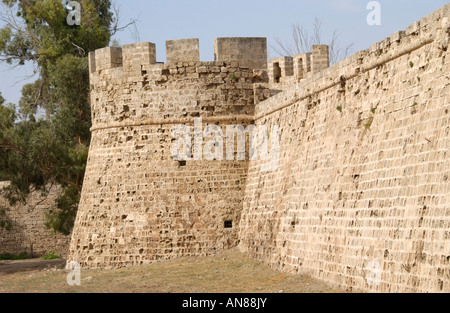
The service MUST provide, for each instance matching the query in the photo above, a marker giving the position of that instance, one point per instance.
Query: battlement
(130, 56)
(288, 69)
(182, 50)
(248, 52)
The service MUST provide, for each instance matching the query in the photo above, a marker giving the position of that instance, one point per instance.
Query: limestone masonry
(361, 195)
(24, 226)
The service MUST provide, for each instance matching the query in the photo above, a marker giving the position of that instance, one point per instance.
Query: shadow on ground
(12, 267)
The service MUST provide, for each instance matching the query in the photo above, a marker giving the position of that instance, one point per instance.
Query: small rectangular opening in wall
(182, 163)
(276, 72)
(228, 224)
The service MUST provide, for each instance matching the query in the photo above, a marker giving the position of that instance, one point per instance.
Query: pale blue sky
(161, 20)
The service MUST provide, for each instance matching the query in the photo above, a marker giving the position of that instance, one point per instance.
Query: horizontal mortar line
(408, 49)
(175, 121)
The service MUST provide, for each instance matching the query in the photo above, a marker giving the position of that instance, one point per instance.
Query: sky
(161, 20)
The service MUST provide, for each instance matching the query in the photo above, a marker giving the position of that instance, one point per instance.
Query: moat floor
(228, 272)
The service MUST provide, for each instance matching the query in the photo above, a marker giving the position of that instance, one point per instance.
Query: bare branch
(302, 42)
(317, 31)
(80, 50)
(117, 28)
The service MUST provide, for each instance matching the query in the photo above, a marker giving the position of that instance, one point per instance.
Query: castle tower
(139, 203)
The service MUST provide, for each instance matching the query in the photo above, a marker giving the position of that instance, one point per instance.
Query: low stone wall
(27, 231)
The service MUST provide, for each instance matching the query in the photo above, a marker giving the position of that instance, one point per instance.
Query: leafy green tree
(7, 117)
(44, 140)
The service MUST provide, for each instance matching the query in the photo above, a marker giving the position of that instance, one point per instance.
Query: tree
(7, 117)
(41, 150)
(302, 41)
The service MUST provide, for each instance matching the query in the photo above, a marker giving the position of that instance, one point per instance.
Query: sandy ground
(228, 272)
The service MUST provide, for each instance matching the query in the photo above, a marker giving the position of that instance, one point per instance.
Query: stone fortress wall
(362, 184)
(362, 188)
(24, 226)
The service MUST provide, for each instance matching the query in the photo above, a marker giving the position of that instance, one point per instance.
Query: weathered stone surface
(182, 50)
(138, 204)
(362, 177)
(368, 182)
(28, 232)
(248, 52)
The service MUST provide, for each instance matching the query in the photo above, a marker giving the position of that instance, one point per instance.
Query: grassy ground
(223, 273)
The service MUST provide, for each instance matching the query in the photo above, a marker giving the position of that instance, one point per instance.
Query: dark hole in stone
(182, 163)
(228, 224)
(276, 72)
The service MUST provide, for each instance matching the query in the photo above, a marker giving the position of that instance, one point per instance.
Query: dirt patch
(11, 267)
(228, 272)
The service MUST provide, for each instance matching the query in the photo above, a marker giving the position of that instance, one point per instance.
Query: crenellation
(281, 69)
(137, 55)
(249, 52)
(320, 58)
(108, 58)
(397, 36)
(184, 50)
(300, 66)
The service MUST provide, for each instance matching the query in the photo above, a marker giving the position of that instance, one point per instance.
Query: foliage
(44, 140)
(63, 219)
(42, 33)
(14, 257)
(7, 117)
(50, 256)
(5, 222)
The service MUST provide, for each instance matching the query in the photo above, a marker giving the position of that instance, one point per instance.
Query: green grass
(50, 256)
(14, 257)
